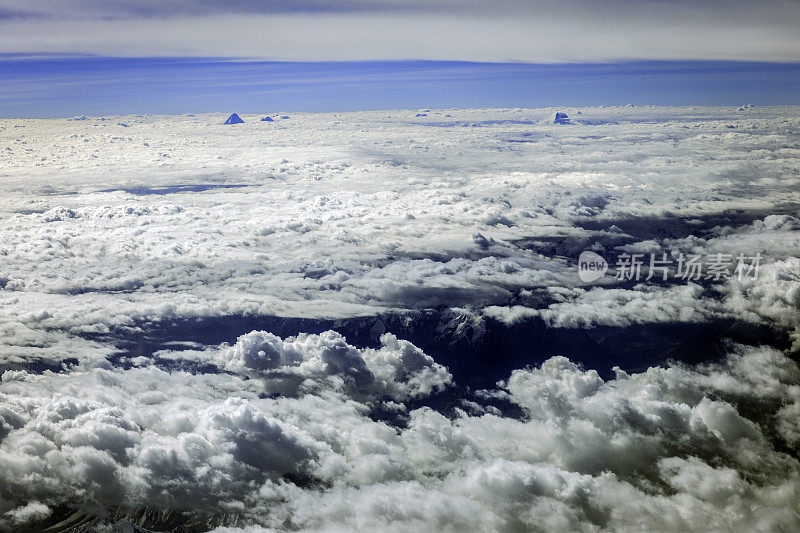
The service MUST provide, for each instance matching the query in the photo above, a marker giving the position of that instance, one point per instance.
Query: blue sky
(60, 87)
(98, 57)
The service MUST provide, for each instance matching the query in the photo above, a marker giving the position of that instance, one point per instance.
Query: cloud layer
(135, 248)
(108, 226)
(466, 30)
(666, 449)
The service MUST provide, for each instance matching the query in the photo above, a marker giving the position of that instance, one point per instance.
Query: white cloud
(320, 229)
(27, 513)
(538, 32)
(398, 369)
(624, 307)
(668, 448)
(294, 432)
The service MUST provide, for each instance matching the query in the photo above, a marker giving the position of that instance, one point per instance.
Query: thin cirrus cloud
(466, 30)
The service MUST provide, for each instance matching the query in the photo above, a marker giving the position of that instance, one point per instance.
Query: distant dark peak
(234, 119)
(267, 119)
(560, 118)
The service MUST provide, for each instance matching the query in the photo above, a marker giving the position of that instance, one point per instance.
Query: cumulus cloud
(657, 449)
(397, 370)
(581, 308)
(773, 297)
(29, 512)
(160, 284)
(497, 228)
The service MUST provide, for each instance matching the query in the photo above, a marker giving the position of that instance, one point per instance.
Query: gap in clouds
(477, 353)
(65, 86)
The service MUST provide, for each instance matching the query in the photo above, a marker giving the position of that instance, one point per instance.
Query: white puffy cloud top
(666, 449)
(126, 253)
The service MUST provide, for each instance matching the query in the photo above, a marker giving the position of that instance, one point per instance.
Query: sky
(93, 57)
(375, 320)
(66, 87)
(463, 30)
